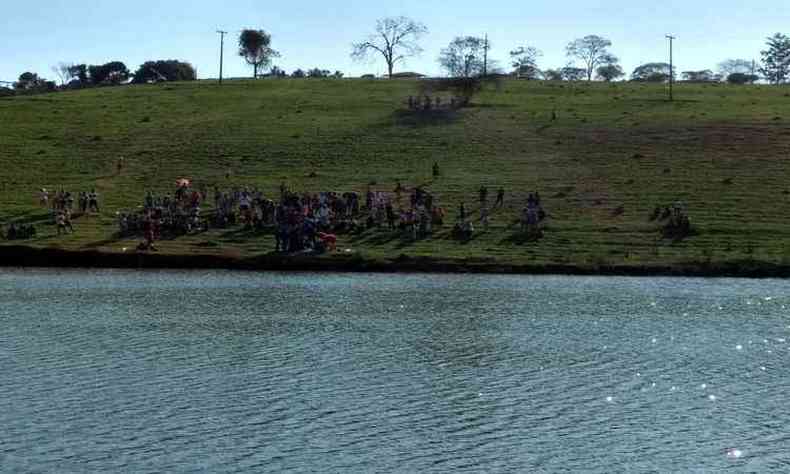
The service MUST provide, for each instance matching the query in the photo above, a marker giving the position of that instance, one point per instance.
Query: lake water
(124, 371)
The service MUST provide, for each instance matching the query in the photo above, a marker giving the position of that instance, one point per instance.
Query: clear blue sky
(311, 33)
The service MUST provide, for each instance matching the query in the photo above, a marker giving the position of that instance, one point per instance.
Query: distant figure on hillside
(411, 102)
(484, 217)
(43, 198)
(435, 169)
(93, 201)
(83, 202)
(119, 165)
(500, 198)
(60, 221)
(427, 105)
(483, 195)
(462, 213)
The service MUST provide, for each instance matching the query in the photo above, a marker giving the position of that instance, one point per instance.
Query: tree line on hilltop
(114, 73)
(589, 58)
(396, 39)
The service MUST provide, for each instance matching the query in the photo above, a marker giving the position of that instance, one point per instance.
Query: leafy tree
(255, 48)
(741, 78)
(552, 74)
(651, 72)
(338, 75)
(570, 73)
(705, 75)
(318, 72)
(463, 57)
(298, 74)
(776, 59)
(28, 81)
(80, 73)
(164, 70)
(112, 73)
(277, 72)
(395, 40)
(593, 51)
(609, 72)
(6, 92)
(525, 61)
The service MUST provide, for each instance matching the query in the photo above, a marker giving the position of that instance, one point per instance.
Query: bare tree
(733, 66)
(64, 72)
(593, 51)
(395, 40)
(255, 48)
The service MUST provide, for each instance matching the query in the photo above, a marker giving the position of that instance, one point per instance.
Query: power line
(221, 52)
(671, 67)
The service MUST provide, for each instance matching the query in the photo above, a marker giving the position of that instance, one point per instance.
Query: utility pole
(221, 52)
(671, 66)
(485, 57)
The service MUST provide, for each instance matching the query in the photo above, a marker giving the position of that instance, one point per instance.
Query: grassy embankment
(612, 155)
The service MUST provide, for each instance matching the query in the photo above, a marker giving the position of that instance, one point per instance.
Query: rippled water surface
(117, 371)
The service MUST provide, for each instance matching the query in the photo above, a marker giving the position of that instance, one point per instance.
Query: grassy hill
(612, 155)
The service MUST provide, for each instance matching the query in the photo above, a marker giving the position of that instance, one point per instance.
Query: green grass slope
(613, 153)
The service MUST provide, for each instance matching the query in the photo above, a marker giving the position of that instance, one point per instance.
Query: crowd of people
(300, 222)
(427, 102)
(531, 218)
(170, 215)
(61, 206)
(87, 201)
(674, 220)
(19, 232)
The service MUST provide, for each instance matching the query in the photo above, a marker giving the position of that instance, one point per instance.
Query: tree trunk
(255, 71)
(389, 69)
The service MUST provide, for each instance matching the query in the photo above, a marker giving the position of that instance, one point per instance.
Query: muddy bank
(21, 256)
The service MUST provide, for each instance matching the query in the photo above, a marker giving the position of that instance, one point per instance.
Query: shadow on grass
(424, 118)
(24, 218)
(114, 238)
(522, 238)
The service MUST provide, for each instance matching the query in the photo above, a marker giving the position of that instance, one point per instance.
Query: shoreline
(32, 257)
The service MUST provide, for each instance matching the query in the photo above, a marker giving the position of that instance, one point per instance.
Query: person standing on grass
(83, 202)
(43, 198)
(484, 217)
(500, 198)
(60, 220)
(67, 220)
(93, 201)
(483, 195)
